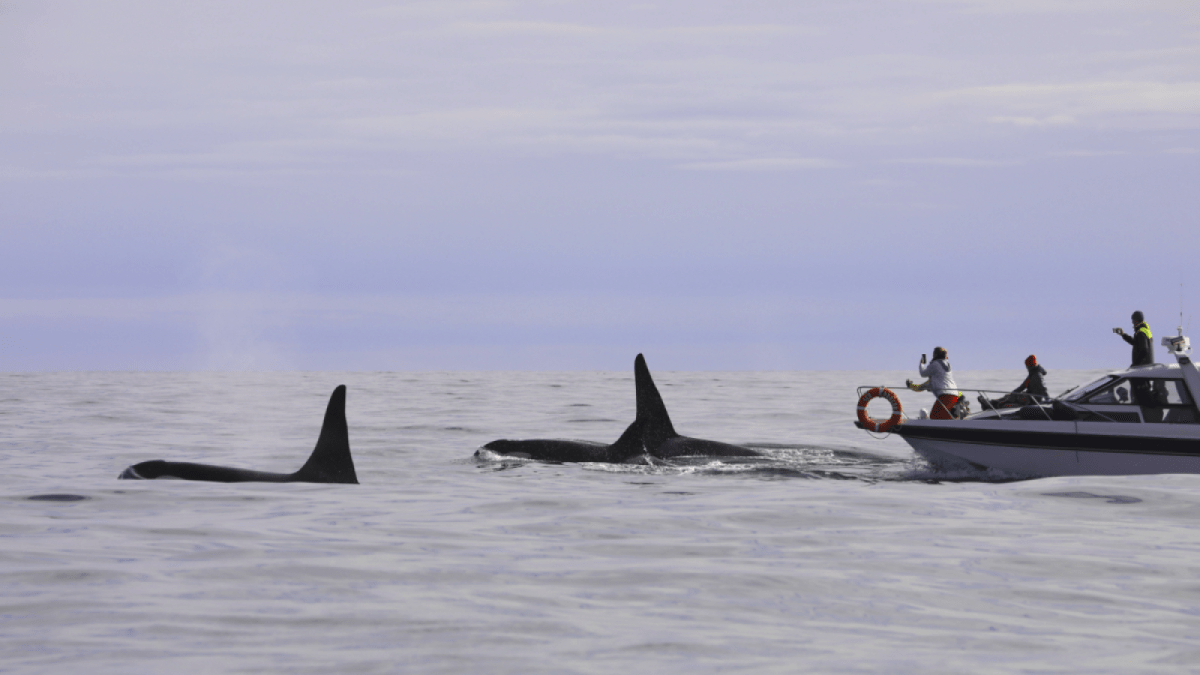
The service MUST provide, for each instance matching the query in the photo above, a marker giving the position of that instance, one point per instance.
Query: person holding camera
(941, 382)
(1143, 355)
(1142, 341)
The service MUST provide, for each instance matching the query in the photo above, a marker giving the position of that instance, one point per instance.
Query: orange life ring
(872, 425)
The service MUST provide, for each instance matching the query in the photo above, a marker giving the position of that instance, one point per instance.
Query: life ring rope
(888, 424)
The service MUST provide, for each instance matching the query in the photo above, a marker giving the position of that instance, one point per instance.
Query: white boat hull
(1056, 448)
(1142, 420)
(1044, 462)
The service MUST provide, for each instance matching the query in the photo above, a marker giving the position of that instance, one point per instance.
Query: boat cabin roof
(1155, 371)
(1168, 371)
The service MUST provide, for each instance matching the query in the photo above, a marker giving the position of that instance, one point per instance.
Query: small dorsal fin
(651, 412)
(330, 461)
(628, 445)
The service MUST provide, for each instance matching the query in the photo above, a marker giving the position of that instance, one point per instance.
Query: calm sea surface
(837, 553)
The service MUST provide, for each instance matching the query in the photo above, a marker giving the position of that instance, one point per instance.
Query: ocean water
(837, 552)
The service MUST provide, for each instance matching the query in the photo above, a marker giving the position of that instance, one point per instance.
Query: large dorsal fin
(651, 412)
(330, 461)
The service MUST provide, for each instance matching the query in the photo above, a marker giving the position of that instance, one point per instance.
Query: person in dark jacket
(1031, 391)
(1143, 355)
(1142, 341)
(1035, 384)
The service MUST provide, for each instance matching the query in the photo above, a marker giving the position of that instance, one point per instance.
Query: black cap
(1137, 317)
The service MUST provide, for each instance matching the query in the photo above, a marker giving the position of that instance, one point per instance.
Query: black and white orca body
(627, 447)
(650, 435)
(330, 461)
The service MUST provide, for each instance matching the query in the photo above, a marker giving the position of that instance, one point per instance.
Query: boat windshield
(1088, 388)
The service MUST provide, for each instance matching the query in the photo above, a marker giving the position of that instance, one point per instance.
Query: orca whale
(330, 461)
(650, 434)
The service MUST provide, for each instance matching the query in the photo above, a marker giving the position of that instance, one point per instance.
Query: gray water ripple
(836, 552)
(1111, 499)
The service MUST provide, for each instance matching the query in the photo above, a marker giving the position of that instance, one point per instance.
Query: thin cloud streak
(581, 96)
(304, 182)
(762, 164)
(1061, 6)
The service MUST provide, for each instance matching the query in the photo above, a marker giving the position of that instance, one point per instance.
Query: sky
(560, 185)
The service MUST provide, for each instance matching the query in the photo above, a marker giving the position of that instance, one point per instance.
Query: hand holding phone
(1119, 331)
(922, 359)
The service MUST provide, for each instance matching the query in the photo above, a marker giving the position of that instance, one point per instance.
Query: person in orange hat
(1035, 384)
(1032, 390)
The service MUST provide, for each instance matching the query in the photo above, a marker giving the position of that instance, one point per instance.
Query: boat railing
(1044, 405)
(988, 399)
(1008, 401)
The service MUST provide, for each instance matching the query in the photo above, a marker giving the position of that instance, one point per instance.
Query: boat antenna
(1181, 310)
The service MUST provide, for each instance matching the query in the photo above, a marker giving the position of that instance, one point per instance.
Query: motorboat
(1141, 420)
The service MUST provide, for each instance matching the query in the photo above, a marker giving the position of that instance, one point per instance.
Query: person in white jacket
(940, 382)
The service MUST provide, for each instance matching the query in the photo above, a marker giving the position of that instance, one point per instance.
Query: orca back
(158, 468)
(686, 446)
(549, 450)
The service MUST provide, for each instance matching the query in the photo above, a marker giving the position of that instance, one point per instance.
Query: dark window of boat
(1161, 401)
(1088, 388)
(1116, 392)
(1168, 401)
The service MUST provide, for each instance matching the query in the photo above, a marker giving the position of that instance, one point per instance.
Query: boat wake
(776, 462)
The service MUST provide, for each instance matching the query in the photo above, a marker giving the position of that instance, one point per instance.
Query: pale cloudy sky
(561, 184)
